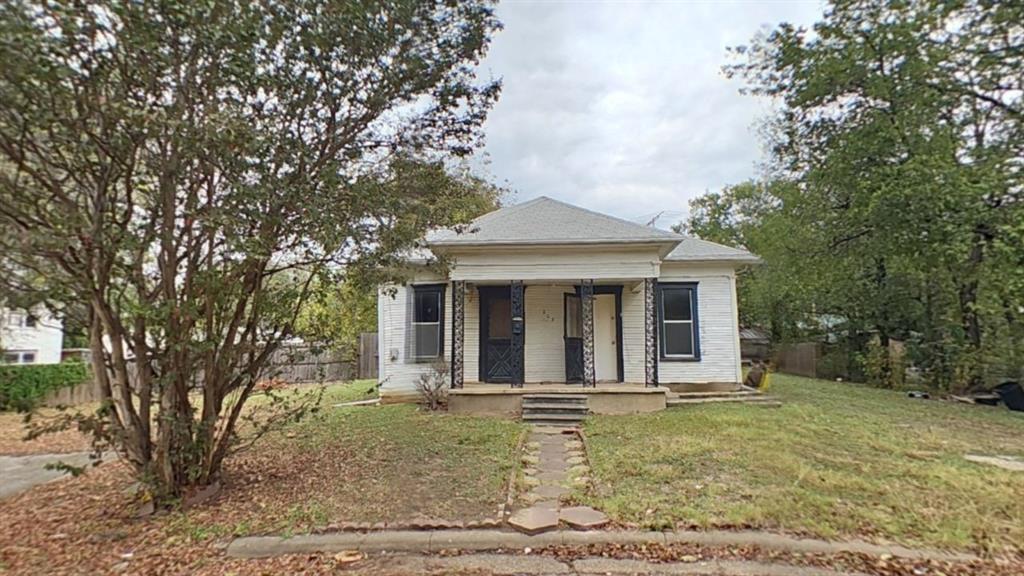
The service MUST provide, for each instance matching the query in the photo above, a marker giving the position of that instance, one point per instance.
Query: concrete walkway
(555, 458)
(509, 564)
(480, 540)
(19, 473)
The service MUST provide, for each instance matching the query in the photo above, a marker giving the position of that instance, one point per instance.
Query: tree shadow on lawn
(366, 464)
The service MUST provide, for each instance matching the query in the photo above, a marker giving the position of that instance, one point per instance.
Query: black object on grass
(1012, 395)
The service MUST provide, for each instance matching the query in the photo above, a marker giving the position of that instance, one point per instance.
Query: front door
(606, 366)
(573, 335)
(496, 334)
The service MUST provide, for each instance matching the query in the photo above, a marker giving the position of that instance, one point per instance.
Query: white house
(30, 336)
(546, 297)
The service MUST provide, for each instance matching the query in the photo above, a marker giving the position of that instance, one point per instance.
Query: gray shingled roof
(696, 250)
(548, 221)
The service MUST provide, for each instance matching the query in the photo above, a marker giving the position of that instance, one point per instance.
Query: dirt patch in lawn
(376, 464)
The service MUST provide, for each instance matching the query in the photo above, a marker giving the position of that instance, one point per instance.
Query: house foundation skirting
(703, 386)
(488, 400)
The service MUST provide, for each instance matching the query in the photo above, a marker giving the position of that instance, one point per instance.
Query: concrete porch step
(541, 406)
(719, 394)
(758, 399)
(554, 423)
(556, 397)
(553, 416)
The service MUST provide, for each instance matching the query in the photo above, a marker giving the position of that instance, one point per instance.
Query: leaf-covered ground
(378, 463)
(837, 460)
(13, 430)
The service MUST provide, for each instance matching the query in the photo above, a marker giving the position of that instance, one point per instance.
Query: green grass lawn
(378, 463)
(836, 460)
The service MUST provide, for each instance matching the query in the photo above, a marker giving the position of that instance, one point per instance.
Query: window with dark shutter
(677, 312)
(428, 321)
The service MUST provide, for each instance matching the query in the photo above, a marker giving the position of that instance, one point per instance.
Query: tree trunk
(967, 292)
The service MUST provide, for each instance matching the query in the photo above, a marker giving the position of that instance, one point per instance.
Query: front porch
(585, 333)
(605, 398)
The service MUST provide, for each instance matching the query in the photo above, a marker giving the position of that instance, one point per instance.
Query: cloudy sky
(621, 106)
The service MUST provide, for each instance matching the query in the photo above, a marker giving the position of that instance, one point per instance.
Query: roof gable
(548, 221)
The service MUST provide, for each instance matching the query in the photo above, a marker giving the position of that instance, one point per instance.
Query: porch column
(650, 332)
(518, 334)
(458, 331)
(587, 311)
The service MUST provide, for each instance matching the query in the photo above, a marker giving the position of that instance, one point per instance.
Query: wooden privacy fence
(800, 359)
(368, 355)
(301, 364)
(295, 364)
(88, 391)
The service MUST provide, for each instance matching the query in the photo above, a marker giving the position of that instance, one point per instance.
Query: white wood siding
(633, 369)
(546, 264)
(396, 374)
(44, 340)
(471, 342)
(545, 345)
(719, 331)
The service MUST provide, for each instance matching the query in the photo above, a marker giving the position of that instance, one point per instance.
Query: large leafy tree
(901, 126)
(191, 170)
(339, 311)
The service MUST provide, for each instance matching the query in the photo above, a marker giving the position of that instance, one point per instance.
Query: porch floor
(475, 388)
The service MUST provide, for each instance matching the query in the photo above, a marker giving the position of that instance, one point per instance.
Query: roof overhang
(662, 245)
(735, 260)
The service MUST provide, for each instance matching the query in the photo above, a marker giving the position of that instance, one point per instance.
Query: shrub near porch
(837, 460)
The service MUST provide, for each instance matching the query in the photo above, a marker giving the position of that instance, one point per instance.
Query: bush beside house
(23, 386)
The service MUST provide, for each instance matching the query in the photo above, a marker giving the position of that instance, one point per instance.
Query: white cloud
(621, 106)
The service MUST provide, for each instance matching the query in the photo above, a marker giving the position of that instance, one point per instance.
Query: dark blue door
(496, 351)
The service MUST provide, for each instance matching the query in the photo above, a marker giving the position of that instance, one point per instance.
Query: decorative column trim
(650, 332)
(518, 333)
(458, 332)
(587, 310)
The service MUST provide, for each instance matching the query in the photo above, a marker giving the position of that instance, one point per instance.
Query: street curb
(479, 540)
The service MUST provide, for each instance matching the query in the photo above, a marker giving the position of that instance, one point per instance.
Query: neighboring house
(755, 344)
(30, 337)
(546, 293)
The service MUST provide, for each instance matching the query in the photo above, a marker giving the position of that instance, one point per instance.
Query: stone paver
(550, 491)
(582, 517)
(1005, 462)
(552, 476)
(552, 460)
(19, 473)
(535, 519)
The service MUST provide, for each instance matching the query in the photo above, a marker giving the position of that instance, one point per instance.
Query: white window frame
(437, 291)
